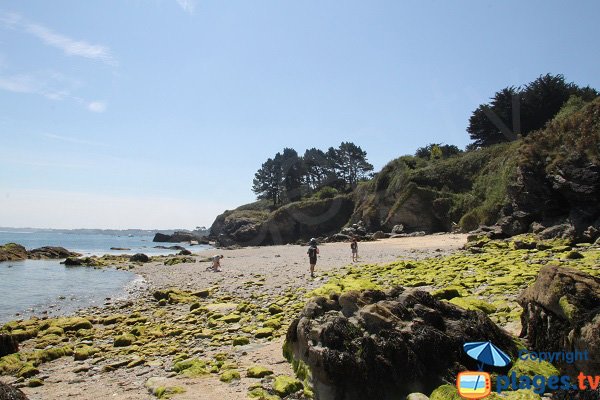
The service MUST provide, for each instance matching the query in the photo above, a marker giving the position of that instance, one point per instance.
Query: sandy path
(283, 267)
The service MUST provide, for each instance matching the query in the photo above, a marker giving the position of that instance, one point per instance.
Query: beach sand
(283, 268)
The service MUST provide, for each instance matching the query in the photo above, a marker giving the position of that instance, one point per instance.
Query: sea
(48, 288)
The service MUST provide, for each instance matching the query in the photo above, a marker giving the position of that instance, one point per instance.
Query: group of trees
(288, 177)
(517, 111)
(437, 151)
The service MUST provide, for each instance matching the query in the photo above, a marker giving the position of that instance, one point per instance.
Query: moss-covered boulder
(124, 340)
(229, 376)
(258, 371)
(285, 385)
(12, 252)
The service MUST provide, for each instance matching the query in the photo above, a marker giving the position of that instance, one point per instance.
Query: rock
(120, 248)
(285, 385)
(241, 341)
(561, 310)
(8, 392)
(12, 252)
(176, 247)
(379, 235)
(185, 252)
(82, 261)
(417, 396)
(258, 372)
(229, 375)
(124, 340)
(398, 229)
(178, 237)
(339, 237)
(353, 342)
(50, 252)
(287, 224)
(139, 257)
(8, 344)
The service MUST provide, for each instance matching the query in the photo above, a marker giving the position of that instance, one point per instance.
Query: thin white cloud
(71, 139)
(68, 45)
(51, 85)
(189, 6)
(97, 106)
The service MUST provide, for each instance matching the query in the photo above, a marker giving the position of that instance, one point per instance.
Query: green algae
(124, 340)
(263, 333)
(258, 371)
(229, 375)
(191, 368)
(261, 394)
(471, 303)
(240, 341)
(532, 368)
(166, 392)
(285, 385)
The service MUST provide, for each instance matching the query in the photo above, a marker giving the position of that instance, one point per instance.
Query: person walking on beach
(216, 264)
(354, 248)
(312, 252)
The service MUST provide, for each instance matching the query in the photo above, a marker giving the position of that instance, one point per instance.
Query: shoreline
(257, 275)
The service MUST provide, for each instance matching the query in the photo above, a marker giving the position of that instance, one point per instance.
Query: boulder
(185, 252)
(8, 344)
(178, 237)
(561, 310)
(139, 257)
(398, 229)
(12, 252)
(386, 345)
(50, 252)
(8, 392)
(379, 235)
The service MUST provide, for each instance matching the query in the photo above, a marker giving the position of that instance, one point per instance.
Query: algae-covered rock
(191, 368)
(229, 375)
(84, 352)
(471, 303)
(448, 292)
(166, 392)
(72, 323)
(240, 341)
(532, 368)
(351, 353)
(124, 340)
(445, 392)
(263, 333)
(261, 394)
(12, 252)
(285, 385)
(34, 382)
(275, 309)
(27, 371)
(258, 372)
(560, 311)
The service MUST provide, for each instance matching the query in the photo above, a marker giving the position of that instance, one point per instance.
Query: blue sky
(157, 113)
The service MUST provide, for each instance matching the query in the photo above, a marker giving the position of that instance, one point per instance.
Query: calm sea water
(46, 287)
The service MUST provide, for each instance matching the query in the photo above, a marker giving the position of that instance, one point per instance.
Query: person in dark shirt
(312, 252)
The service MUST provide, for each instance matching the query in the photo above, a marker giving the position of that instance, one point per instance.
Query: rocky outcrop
(376, 345)
(178, 237)
(50, 252)
(12, 252)
(561, 310)
(557, 190)
(8, 392)
(139, 257)
(294, 222)
(8, 344)
(16, 252)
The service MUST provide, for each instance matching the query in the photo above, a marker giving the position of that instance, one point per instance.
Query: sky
(157, 113)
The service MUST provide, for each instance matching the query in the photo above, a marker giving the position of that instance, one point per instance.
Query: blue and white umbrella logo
(486, 353)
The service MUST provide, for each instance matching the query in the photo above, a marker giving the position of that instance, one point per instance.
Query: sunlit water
(46, 287)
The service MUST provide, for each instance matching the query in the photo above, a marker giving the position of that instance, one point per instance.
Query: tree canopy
(288, 177)
(515, 111)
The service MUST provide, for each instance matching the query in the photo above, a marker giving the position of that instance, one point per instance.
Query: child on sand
(216, 264)
(354, 248)
(312, 252)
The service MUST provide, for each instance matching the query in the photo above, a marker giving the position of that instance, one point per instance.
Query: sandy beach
(258, 276)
